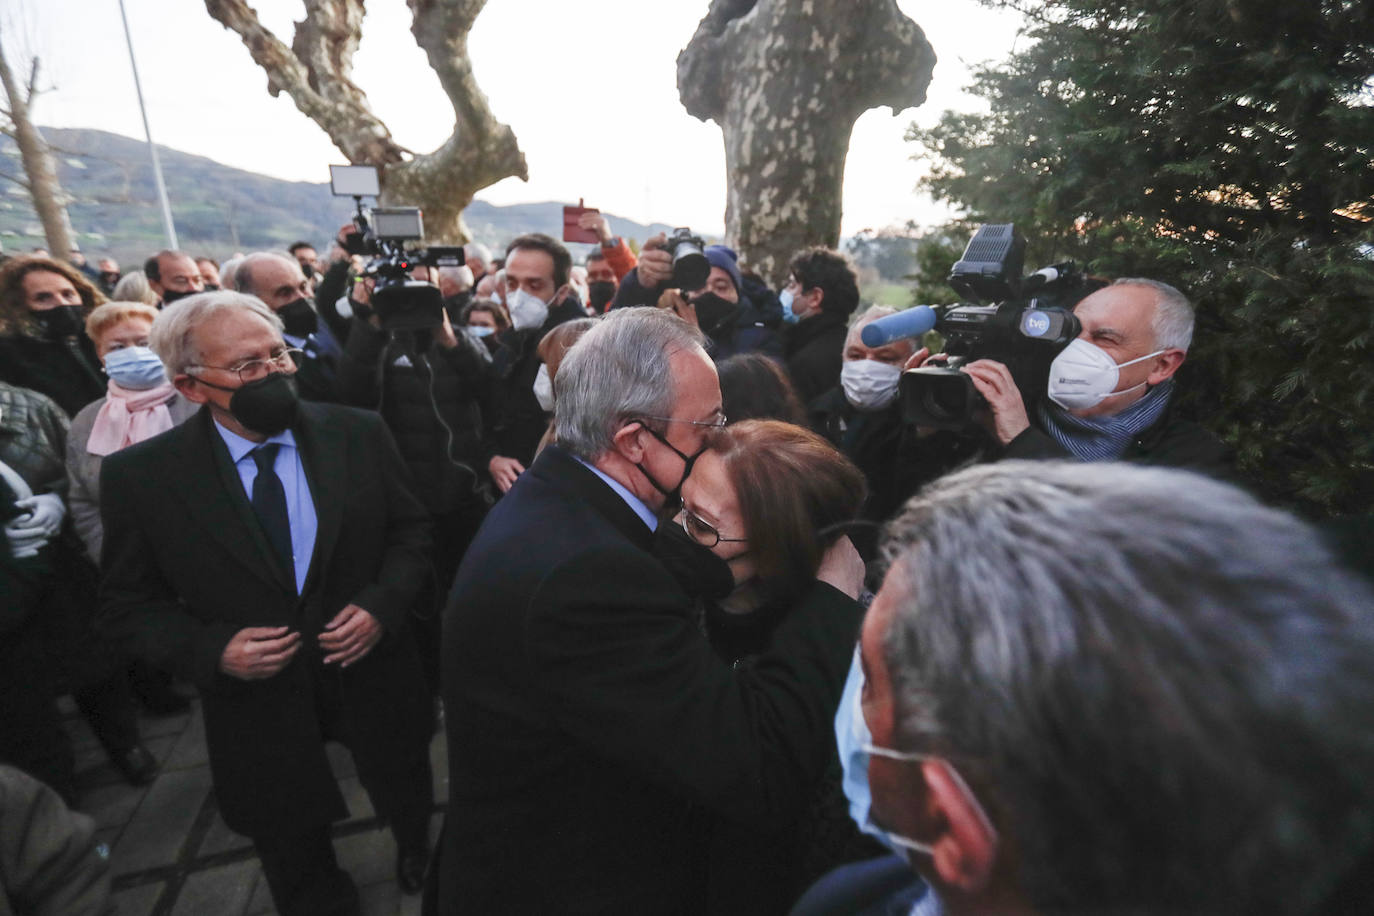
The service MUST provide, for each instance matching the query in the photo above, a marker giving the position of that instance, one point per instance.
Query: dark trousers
(299, 865)
(31, 735)
(453, 532)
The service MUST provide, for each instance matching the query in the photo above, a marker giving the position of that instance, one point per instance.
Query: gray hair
(172, 335)
(1161, 688)
(133, 287)
(243, 271)
(619, 370)
(227, 271)
(1173, 318)
(479, 251)
(873, 313)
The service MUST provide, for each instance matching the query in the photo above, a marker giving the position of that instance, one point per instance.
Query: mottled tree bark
(40, 173)
(317, 73)
(786, 80)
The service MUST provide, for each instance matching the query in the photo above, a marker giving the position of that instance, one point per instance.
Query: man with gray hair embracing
(589, 720)
(1110, 689)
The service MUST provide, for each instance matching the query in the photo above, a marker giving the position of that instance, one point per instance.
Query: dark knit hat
(726, 259)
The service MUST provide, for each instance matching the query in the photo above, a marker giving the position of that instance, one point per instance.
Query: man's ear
(626, 442)
(965, 843)
(189, 389)
(1165, 365)
(560, 295)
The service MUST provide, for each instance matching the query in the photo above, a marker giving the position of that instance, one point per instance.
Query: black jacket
(430, 402)
(67, 370)
(186, 566)
(813, 349)
(512, 418)
(588, 718)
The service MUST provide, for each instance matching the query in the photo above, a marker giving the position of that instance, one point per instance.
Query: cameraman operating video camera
(1110, 391)
(426, 384)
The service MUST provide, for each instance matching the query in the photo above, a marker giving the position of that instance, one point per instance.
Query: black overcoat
(186, 566)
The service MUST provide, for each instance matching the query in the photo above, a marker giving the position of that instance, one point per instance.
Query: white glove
(42, 518)
(25, 542)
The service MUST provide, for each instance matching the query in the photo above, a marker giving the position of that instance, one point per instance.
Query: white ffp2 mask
(543, 389)
(526, 310)
(1084, 375)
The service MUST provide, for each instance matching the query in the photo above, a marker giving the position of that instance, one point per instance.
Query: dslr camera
(690, 267)
(1022, 323)
(401, 303)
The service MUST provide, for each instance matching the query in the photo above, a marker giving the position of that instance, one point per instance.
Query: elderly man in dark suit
(268, 551)
(590, 722)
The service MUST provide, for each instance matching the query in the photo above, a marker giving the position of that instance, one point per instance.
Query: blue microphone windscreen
(913, 322)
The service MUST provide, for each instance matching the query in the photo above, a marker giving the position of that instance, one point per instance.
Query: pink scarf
(128, 416)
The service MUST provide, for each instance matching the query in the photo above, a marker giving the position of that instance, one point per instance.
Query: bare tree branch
(317, 72)
(44, 189)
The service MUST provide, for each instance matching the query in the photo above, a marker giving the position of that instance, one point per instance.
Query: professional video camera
(401, 303)
(1024, 326)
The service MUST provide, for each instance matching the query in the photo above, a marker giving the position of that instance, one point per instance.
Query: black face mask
(697, 569)
(62, 321)
(600, 294)
(675, 493)
(172, 295)
(211, 287)
(109, 277)
(298, 318)
(266, 406)
(713, 311)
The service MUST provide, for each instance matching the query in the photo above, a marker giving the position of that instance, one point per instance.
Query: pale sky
(589, 88)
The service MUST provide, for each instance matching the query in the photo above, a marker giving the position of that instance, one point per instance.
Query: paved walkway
(172, 855)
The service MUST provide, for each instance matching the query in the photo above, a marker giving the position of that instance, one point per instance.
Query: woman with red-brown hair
(766, 499)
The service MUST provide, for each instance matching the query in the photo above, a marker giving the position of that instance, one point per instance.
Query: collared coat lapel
(221, 505)
(567, 473)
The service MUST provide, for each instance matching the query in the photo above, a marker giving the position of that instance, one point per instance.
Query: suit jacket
(186, 566)
(588, 717)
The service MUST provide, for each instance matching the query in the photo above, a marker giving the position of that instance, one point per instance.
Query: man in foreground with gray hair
(589, 721)
(268, 550)
(1111, 689)
(1110, 391)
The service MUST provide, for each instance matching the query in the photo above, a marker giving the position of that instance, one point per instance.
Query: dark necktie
(269, 503)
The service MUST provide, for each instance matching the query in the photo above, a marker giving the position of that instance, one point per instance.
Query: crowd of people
(709, 624)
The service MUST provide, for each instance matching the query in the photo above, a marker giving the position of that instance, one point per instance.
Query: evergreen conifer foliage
(1226, 146)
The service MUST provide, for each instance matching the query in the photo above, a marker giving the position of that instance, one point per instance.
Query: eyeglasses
(716, 421)
(254, 369)
(702, 531)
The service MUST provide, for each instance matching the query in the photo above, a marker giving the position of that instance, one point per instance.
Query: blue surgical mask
(135, 368)
(789, 316)
(480, 330)
(863, 748)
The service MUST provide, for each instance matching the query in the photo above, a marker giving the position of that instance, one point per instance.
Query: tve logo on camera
(1035, 323)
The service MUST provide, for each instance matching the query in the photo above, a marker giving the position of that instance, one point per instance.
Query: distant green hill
(217, 209)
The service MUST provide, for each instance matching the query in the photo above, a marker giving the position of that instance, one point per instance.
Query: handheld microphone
(913, 322)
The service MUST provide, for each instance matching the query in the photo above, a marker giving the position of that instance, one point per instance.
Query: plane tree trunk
(786, 80)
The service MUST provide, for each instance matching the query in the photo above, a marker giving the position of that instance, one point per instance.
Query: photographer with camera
(539, 299)
(722, 310)
(701, 284)
(1110, 390)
